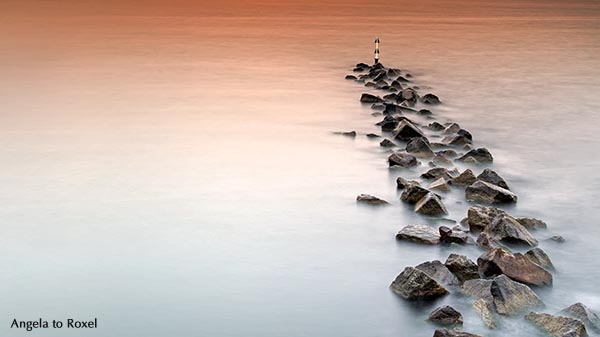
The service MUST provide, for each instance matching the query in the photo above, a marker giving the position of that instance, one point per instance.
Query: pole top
(377, 39)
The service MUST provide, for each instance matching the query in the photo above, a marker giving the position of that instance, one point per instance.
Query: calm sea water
(173, 171)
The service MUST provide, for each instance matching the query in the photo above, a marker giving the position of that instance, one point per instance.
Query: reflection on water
(179, 175)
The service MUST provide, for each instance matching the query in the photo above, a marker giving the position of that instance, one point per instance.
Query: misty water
(176, 173)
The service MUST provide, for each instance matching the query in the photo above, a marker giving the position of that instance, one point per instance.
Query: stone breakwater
(502, 282)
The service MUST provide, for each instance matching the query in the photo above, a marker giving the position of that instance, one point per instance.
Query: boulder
(409, 95)
(368, 98)
(445, 315)
(430, 99)
(419, 234)
(371, 200)
(452, 333)
(532, 223)
(481, 191)
(557, 238)
(363, 65)
(386, 143)
(430, 204)
(462, 267)
(440, 159)
(407, 130)
(448, 153)
(484, 310)
(402, 160)
(419, 147)
(373, 135)
(391, 109)
(402, 79)
(451, 128)
(351, 77)
(456, 140)
(436, 173)
(401, 183)
(557, 326)
(466, 178)
(480, 155)
(448, 235)
(493, 178)
(539, 257)
(486, 242)
(435, 126)
(349, 133)
(584, 314)
(413, 193)
(440, 184)
(425, 112)
(413, 284)
(478, 288)
(511, 298)
(465, 133)
(439, 272)
(519, 268)
(505, 228)
(479, 217)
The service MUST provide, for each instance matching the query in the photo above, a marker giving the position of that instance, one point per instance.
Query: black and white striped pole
(376, 50)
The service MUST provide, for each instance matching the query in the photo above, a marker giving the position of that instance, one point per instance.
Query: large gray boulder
(480, 191)
(413, 192)
(439, 272)
(480, 217)
(505, 228)
(419, 147)
(462, 267)
(511, 298)
(419, 234)
(519, 268)
(414, 284)
(402, 160)
(430, 204)
(584, 314)
(557, 326)
(539, 257)
(445, 315)
(493, 178)
(407, 131)
(466, 178)
(450, 235)
(480, 155)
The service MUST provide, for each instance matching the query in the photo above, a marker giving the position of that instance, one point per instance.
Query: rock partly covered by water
(413, 192)
(420, 234)
(430, 99)
(480, 217)
(493, 178)
(419, 147)
(539, 257)
(402, 160)
(449, 235)
(386, 143)
(557, 326)
(485, 192)
(512, 297)
(462, 267)
(371, 200)
(480, 155)
(518, 267)
(505, 228)
(452, 333)
(446, 315)
(430, 204)
(406, 131)
(368, 98)
(466, 178)
(484, 309)
(532, 223)
(584, 314)
(439, 272)
(414, 284)
(478, 288)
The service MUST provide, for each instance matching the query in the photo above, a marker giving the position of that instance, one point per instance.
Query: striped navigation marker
(376, 50)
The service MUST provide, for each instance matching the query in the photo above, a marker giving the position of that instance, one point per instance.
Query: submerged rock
(493, 178)
(351, 77)
(419, 234)
(414, 284)
(446, 315)
(413, 193)
(480, 155)
(371, 200)
(512, 297)
(532, 223)
(466, 178)
(480, 217)
(386, 143)
(373, 135)
(484, 310)
(462, 267)
(539, 257)
(439, 272)
(557, 238)
(488, 193)
(349, 133)
(557, 326)
(519, 268)
(430, 204)
(452, 333)
(402, 159)
(407, 130)
(419, 147)
(368, 98)
(584, 314)
(505, 228)
(430, 99)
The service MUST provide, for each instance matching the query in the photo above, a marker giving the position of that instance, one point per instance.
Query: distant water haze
(172, 169)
